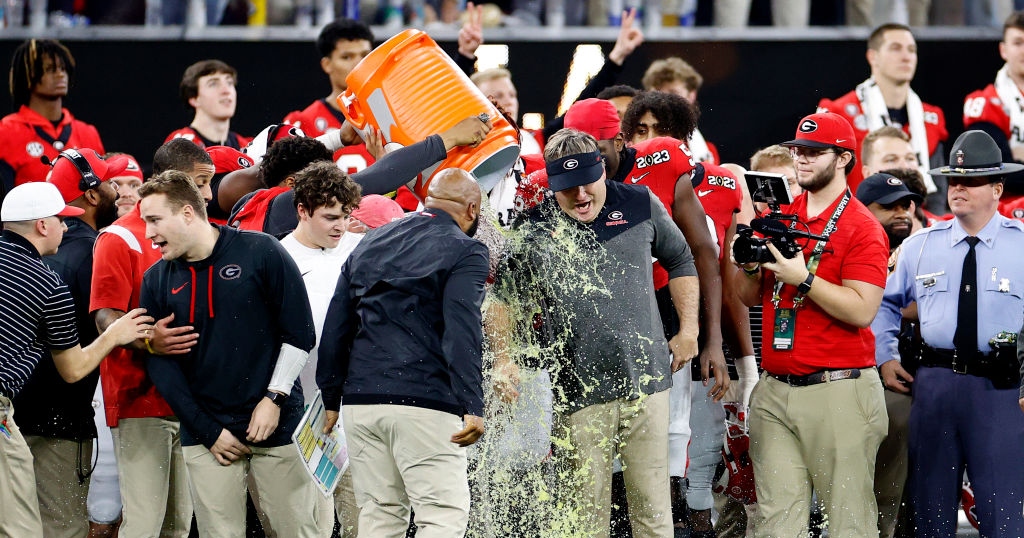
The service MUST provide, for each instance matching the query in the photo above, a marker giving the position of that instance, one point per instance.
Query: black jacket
(404, 326)
(245, 300)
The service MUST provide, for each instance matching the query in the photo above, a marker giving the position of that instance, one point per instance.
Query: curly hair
(322, 184)
(675, 115)
(341, 29)
(289, 155)
(27, 66)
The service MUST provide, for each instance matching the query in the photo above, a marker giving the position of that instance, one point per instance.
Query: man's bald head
(456, 192)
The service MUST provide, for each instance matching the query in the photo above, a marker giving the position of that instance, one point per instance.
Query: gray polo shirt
(592, 286)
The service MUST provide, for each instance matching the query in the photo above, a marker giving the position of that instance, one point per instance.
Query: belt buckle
(957, 368)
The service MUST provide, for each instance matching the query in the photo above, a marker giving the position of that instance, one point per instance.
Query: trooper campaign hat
(975, 154)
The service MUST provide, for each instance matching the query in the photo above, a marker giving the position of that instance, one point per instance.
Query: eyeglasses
(809, 154)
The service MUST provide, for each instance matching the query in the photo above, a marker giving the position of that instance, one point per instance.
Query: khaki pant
(283, 491)
(824, 437)
(891, 465)
(401, 456)
(346, 507)
(20, 512)
(62, 496)
(153, 479)
(636, 430)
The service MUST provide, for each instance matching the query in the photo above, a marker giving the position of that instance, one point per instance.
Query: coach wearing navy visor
(608, 356)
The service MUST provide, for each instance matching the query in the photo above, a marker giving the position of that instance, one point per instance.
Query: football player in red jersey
(41, 72)
(343, 43)
(886, 98)
(208, 86)
(656, 123)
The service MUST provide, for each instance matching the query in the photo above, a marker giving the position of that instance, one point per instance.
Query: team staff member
(230, 387)
(39, 316)
(208, 86)
(41, 72)
(403, 342)
(817, 416)
(147, 435)
(57, 417)
(965, 275)
(886, 98)
(343, 43)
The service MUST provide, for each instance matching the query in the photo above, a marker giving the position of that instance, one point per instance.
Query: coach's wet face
(583, 203)
(165, 227)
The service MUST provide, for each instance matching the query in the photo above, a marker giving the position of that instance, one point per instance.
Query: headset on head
(89, 178)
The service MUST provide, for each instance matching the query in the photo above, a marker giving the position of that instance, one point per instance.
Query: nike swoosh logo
(840, 141)
(637, 179)
(174, 291)
(703, 193)
(307, 272)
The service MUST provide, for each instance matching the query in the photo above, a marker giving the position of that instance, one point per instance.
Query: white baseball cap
(35, 200)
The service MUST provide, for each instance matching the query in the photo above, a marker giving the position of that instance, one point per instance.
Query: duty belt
(817, 377)
(1000, 367)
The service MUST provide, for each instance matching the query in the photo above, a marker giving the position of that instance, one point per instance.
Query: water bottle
(324, 12)
(688, 13)
(196, 16)
(303, 13)
(352, 9)
(154, 13)
(14, 13)
(615, 13)
(37, 15)
(555, 13)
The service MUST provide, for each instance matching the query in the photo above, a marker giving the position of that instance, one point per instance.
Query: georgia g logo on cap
(808, 126)
(894, 182)
(570, 164)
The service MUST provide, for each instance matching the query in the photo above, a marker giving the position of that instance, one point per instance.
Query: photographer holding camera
(966, 276)
(818, 414)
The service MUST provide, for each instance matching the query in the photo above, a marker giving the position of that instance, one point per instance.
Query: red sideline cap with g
(227, 159)
(375, 211)
(824, 130)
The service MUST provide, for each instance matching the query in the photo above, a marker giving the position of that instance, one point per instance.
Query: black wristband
(805, 286)
(276, 397)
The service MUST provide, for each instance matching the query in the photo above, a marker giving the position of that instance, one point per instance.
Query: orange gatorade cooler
(409, 89)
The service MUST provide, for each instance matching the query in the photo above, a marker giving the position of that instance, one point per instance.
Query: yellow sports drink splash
(409, 89)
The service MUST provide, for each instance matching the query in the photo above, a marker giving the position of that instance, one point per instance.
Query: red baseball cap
(596, 117)
(75, 171)
(824, 130)
(375, 211)
(227, 159)
(132, 170)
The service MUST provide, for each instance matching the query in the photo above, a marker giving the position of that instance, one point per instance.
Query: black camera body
(780, 229)
(751, 249)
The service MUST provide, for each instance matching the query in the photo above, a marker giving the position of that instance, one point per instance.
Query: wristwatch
(805, 286)
(276, 397)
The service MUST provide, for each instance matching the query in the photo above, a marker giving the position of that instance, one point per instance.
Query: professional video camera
(777, 227)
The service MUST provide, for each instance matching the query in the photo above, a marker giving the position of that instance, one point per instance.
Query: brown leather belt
(817, 377)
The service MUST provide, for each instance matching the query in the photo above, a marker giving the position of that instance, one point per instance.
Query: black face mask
(476, 224)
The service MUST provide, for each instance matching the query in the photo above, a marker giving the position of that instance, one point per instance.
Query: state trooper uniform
(965, 411)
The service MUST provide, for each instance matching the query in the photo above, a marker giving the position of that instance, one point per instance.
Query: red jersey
(319, 118)
(121, 256)
(986, 106)
(721, 198)
(857, 250)
(27, 137)
(848, 106)
(253, 215)
(657, 165)
(235, 140)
